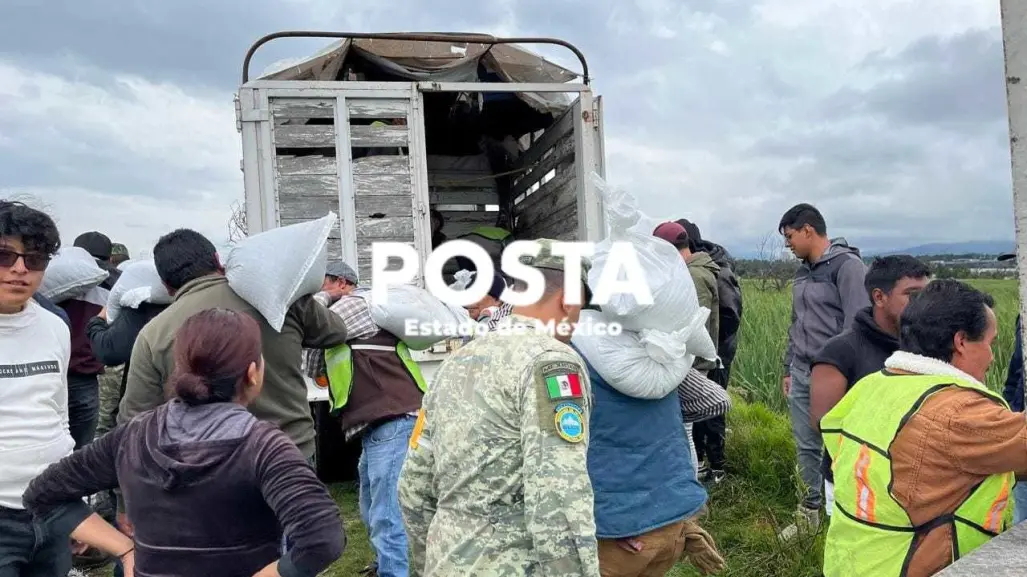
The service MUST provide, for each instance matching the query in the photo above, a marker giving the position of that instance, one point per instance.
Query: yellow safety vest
(870, 532)
(339, 369)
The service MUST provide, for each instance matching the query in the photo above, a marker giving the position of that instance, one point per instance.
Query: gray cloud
(724, 111)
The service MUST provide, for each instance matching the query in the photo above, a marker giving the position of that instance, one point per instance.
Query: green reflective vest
(492, 233)
(870, 532)
(339, 369)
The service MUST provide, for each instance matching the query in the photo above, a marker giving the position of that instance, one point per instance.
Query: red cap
(673, 233)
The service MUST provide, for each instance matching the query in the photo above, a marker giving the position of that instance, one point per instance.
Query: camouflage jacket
(495, 482)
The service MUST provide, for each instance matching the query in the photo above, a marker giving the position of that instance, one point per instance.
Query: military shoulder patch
(563, 380)
(570, 423)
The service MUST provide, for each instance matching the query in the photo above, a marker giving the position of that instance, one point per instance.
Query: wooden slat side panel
(562, 152)
(376, 108)
(563, 224)
(334, 233)
(302, 108)
(390, 205)
(381, 184)
(307, 165)
(381, 164)
(563, 195)
(378, 136)
(399, 228)
(564, 174)
(559, 129)
(463, 196)
(304, 208)
(326, 185)
(304, 136)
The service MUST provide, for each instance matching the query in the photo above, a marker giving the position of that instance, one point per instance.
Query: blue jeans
(381, 460)
(1020, 503)
(83, 408)
(807, 440)
(28, 548)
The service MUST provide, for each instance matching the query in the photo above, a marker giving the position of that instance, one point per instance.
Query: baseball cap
(96, 244)
(548, 260)
(119, 249)
(339, 269)
(673, 233)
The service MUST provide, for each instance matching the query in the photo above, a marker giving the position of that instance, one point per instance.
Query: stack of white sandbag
(273, 269)
(661, 340)
(417, 317)
(139, 283)
(74, 274)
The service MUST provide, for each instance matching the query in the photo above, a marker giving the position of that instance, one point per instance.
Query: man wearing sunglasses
(34, 357)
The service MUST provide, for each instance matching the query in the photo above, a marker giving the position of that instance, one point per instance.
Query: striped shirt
(701, 398)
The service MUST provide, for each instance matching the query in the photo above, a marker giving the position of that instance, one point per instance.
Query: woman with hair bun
(208, 488)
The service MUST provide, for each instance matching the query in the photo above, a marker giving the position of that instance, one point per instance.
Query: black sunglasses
(34, 261)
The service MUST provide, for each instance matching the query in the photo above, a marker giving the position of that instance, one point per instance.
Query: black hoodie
(208, 489)
(856, 353)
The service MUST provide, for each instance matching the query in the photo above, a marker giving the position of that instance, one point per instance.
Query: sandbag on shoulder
(645, 365)
(139, 283)
(412, 303)
(675, 304)
(273, 269)
(72, 273)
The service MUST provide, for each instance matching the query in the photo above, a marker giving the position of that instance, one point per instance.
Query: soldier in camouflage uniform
(495, 473)
(119, 253)
(110, 380)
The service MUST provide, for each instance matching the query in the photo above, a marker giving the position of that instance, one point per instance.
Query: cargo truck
(385, 129)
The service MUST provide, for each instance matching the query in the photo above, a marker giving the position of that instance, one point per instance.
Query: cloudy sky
(888, 115)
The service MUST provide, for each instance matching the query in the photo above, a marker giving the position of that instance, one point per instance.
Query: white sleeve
(61, 394)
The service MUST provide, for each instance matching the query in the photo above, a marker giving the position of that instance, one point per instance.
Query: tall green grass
(758, 367)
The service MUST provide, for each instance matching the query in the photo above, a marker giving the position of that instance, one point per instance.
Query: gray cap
(339, 269)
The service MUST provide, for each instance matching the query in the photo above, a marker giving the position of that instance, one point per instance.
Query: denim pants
(29, 549)
(83, 407)
(807, 440)
(1020, 503)
(381, 460)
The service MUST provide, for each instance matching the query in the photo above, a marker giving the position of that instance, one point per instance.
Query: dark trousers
(709, 435)
(83, 408)
(28, 548)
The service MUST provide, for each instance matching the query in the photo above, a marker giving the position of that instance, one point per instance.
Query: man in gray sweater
(827, 293)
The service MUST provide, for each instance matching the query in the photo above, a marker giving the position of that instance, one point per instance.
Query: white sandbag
(138, 283)
(273, 269)
(72, 273)
(430, 319)
(675, 304)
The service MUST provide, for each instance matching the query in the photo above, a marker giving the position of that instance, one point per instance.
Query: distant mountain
(967, 247)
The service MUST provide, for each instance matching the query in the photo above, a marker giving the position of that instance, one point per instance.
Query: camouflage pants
(110, 398)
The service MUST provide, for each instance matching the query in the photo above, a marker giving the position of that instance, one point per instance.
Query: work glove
(701, 550)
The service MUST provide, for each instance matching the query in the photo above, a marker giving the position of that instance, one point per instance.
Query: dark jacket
(82, 360)
(826, 296)
(729, 294)
(1013, 391)
(50, 306)
(283, 400)
(382, 386)
(857, 352)
(112, 343)
(704, 276)
(209, 490)
(639, 463)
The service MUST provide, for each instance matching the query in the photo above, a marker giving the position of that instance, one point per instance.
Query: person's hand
(103, 313)
(701, 550)
(125, 526)
(786, 385)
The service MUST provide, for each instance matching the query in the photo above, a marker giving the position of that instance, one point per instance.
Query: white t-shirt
(35, 350)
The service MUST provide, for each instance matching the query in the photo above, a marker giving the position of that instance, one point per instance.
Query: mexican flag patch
(564, 386)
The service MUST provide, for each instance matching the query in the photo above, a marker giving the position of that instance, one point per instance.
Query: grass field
(762, 489)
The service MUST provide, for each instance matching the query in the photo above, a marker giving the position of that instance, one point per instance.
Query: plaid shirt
(356, 313)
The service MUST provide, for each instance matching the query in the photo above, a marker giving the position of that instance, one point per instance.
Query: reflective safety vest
(339, 369)
(870, 532)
